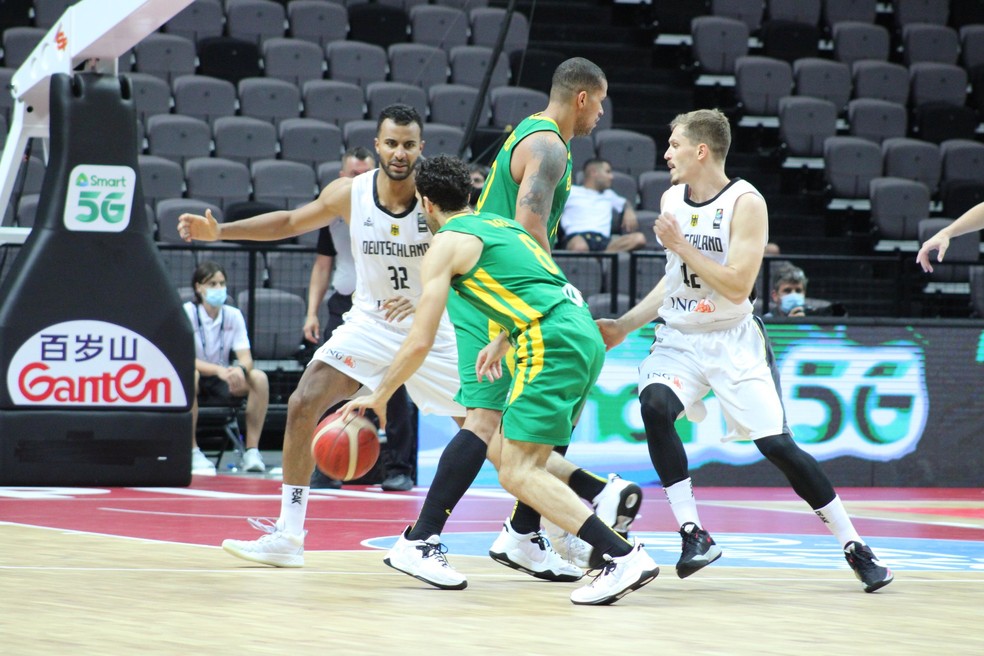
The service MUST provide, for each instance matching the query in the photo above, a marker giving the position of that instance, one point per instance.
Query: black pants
(399, 452)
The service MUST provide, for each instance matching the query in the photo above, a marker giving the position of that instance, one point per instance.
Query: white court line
(365, 520)
(854, 516)
(309, 571)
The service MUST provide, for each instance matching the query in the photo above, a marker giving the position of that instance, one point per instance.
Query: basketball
(345, 450)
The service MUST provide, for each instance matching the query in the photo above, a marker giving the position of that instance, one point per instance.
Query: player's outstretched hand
(196, 226)
(937, 242)
(488, 364)
(360, 405)
(398, 308)
(611, 332)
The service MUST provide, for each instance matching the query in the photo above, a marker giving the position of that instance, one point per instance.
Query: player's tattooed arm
(546, 163)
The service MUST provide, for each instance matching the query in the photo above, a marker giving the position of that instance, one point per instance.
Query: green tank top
(515, 281)
(500, 190)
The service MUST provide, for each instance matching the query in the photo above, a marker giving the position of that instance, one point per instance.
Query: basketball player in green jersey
(499, 269)
(530, 180)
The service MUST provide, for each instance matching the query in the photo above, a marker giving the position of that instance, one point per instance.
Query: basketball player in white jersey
(389, 239)
(714, 229)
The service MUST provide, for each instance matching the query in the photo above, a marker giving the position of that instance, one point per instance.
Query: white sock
(293, 508)
(835, 517)
(682, 502)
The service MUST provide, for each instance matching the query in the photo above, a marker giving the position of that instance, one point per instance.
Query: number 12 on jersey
(689, 279)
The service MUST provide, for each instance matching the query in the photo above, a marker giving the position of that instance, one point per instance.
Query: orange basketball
(345, 450)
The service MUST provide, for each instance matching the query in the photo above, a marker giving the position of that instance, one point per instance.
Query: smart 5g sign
(99, 198)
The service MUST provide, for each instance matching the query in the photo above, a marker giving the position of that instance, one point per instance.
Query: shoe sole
(647, 576)
(629, 502)
(880, 584)
(545, 576)
(685, 571)
(442, 586)
(284, 560)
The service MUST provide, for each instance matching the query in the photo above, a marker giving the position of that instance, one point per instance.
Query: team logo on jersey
(394, 230)
(718, 217)
(704, 306)
(421, 222)
(368, 222)
(693, 220)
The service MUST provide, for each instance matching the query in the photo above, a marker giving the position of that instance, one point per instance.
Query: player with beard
(389, 237)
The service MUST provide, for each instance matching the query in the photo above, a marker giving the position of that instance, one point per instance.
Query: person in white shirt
(587, 218)
(219, 330)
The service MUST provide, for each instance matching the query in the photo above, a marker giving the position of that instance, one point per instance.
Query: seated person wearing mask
(220, 329)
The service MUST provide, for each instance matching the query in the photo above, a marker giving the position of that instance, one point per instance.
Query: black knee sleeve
(801, 469)
(660, 408)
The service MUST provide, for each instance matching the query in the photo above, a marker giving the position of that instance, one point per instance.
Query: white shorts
(734, 363)
(363, 348)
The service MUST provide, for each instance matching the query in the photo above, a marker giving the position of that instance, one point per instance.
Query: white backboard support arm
(91, 32)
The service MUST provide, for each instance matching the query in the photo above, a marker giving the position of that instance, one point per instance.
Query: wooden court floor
(138, 571)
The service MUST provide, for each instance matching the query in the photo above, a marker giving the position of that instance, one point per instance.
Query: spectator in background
(591, 210)
(477, 173)
(220, 329)
(335, 249)
(788, 291)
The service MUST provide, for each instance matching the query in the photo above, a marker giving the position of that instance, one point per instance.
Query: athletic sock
(293, 508)
(586, 484)
(837, 520)
(456, 471)
(601, 536)
(524, 519)
(682, 502)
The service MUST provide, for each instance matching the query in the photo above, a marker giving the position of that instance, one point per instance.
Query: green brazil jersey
(515, 282)
(500, 190)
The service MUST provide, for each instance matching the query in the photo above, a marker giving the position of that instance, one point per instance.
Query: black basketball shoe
(699, 550)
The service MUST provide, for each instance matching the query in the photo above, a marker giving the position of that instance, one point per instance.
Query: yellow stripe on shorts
(530, 343)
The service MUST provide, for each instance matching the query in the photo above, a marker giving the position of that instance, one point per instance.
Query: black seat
(228, 58)
(381, 25)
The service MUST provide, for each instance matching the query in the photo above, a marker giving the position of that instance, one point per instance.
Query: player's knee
(509, 479)
(660, 408)
(300, 403)
(780, 450)
(483, 423)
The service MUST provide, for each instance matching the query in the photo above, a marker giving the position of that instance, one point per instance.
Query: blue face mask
(215, 296)
(790, 301)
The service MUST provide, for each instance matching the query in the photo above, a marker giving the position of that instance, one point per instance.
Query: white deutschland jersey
(690, 304)
(388, 249)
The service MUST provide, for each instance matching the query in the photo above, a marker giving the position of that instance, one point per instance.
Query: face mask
(790, 301)
(215, 296)
(474, 195)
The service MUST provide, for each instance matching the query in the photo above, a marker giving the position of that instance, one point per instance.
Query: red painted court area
(214, 508)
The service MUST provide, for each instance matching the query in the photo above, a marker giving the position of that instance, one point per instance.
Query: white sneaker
(570, 547)
(618, 577)
(276, 548)
(425, 560)
(618, 504)
(253, 461)
(200, 464)
(532, 553)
